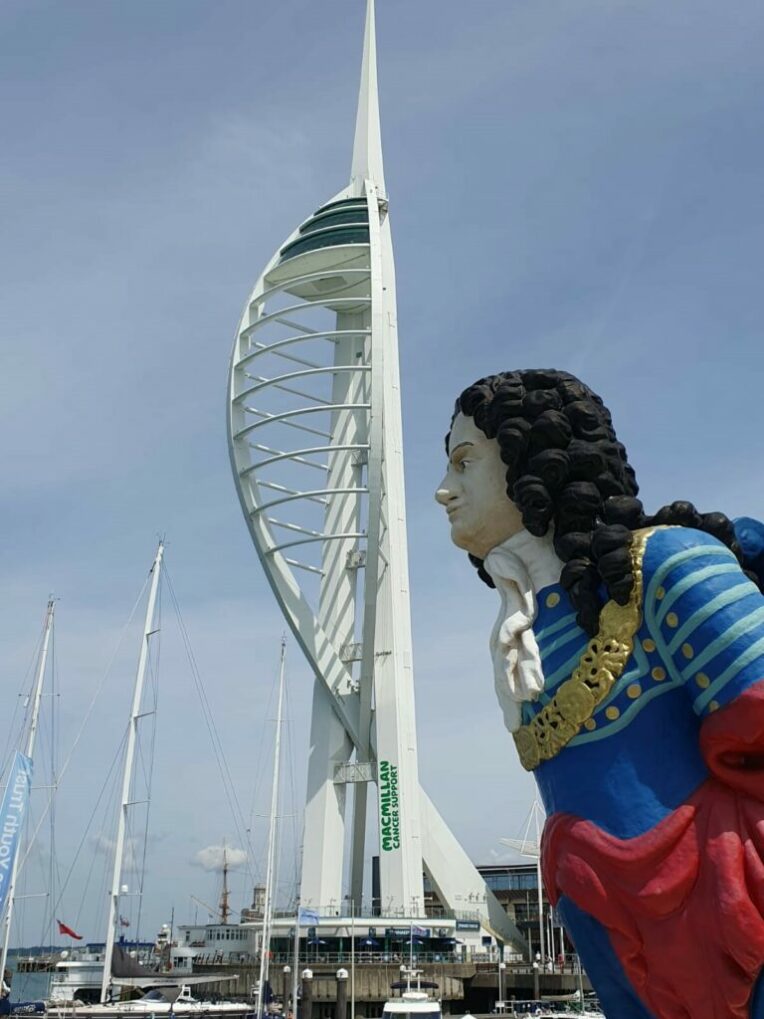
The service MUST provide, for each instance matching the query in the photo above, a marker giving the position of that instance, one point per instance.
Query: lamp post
(306, 999)
(536, 968)
(285, 988)
(342, 994)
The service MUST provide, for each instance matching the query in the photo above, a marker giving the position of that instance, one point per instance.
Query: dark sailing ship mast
(224, 908)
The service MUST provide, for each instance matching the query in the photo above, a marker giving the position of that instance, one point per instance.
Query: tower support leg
(321, 883)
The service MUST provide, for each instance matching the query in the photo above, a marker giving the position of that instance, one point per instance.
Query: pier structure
(316, 447)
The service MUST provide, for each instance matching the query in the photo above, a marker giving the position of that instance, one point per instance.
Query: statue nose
(443, 494)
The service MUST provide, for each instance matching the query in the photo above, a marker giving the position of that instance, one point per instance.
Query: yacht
(413, 1002)
(77, 976)
(170, 1001)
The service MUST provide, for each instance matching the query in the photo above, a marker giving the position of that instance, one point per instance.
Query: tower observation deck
(316, 448)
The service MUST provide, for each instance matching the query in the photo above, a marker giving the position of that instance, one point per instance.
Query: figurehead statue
(628, 659)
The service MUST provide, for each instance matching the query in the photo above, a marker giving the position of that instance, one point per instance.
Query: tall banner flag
(307, 917)
(12, 811)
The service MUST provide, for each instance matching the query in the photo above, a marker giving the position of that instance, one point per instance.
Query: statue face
(474, 491)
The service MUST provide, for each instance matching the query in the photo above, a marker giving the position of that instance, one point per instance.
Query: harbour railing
(370, 912)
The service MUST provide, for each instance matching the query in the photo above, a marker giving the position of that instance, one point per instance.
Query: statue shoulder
(683, 558)
(679, 544)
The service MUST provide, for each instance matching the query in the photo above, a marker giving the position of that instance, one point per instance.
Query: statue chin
(462, 540)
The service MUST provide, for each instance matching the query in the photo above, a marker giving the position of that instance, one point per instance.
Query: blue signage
(12, 812)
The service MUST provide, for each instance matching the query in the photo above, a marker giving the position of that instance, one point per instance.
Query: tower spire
(367, 147)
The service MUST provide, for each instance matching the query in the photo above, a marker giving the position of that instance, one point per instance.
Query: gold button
(552, 600)
(672, 619)
(660, 593)
(648, 645)
(590, 724)
(634, 691)
(612, 713)
(658, 674)
(713, 706)
(702, 680)
(687, 650)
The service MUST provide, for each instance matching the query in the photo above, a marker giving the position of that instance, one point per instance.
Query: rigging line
(110, 822)
(260, 773)
(209, 720)
(53, 754)
(26, 693)
(268, 716)
(47, 880)
(54, 868)
(21, 897)
(15, 735)
(54, 877)
(39, 859)
(290, 774)
(106, 782)
(154, 674)
(42, 918)
(217, 745)
(89, 711)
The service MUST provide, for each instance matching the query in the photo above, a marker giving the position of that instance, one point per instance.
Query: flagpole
(271, 858)
(296, 965)
(352, 959)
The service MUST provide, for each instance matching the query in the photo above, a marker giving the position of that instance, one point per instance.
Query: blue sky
(573, 184)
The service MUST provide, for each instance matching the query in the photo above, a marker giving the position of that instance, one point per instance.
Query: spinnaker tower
(315, 439)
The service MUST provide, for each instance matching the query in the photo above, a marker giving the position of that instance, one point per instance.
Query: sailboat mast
(271, 861)
(39, 680)
(224, 896)
(132, 737)
(36, 700)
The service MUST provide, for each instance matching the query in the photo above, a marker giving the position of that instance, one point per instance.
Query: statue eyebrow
(456, 449)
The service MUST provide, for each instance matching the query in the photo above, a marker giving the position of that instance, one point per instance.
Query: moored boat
(171, 1000)
(414, 1002)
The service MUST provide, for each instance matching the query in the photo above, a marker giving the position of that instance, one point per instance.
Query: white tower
(316, 448)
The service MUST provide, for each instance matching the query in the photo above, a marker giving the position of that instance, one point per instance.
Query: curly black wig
(565, 467)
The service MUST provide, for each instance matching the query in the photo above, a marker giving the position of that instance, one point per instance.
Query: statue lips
(452, 509)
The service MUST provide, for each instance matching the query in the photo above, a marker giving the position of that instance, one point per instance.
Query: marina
(314, 386)
(459, 989)
(307, 713)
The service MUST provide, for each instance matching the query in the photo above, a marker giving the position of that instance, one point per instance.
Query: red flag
(63, 929)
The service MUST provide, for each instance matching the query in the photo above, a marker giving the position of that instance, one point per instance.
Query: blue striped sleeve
(704, 615)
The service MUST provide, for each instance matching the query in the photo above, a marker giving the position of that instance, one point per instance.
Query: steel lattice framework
(316, 448)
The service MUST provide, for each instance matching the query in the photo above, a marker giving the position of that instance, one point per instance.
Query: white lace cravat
(519, 567)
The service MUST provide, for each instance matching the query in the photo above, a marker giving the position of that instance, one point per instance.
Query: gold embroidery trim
(600, 666)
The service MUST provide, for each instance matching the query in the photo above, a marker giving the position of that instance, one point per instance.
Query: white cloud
(105, 847)
(211, 858)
